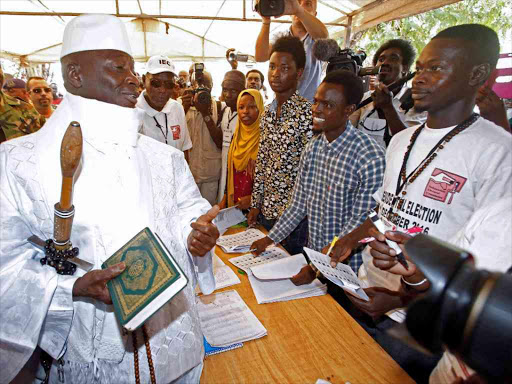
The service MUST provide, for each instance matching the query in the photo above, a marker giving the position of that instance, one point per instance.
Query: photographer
(307, 28)
(385, 117)
(202, 114)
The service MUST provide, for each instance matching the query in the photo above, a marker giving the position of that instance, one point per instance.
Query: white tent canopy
(31, 30)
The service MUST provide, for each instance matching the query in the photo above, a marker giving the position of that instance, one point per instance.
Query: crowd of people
(160, 151)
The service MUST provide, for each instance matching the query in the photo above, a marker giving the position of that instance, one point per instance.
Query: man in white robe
(126, 182)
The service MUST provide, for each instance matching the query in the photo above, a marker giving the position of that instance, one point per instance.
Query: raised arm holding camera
(308, 28)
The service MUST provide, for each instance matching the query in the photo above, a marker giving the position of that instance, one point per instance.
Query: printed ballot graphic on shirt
(443, 183)
(176, 130)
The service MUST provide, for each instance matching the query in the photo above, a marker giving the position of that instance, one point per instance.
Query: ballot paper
(246, 262)
(226, 319)
(224, 275)
(227, 218)
(342, 275)
(270, 291)
(283, 268)
(240, 242)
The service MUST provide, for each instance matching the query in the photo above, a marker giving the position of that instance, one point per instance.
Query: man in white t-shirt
(385, 116)
(164, 118)
(455, 164)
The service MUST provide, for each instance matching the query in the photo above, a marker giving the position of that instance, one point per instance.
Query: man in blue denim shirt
(307, 28)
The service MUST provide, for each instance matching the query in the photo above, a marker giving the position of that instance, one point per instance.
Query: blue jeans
(296, 241)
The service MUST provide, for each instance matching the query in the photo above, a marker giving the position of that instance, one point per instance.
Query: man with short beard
(385, 116)
(41, 95)
(125, 182)
(163, 118)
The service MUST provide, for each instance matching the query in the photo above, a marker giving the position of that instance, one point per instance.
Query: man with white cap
(163, 118)
(125, 182)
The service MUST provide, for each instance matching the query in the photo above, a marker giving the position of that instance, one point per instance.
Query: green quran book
(151, 278)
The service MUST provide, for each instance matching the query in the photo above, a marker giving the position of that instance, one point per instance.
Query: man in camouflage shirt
(17, 118)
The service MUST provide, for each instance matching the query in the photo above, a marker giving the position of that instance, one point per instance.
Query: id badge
(176, 131)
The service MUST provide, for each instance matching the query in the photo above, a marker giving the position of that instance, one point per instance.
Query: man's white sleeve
(36, 305)
(191, 205)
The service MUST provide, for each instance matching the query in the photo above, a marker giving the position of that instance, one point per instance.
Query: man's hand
(381, 253)
(244, 202)
(252, 217)
(204, 234)
(381, 301)
(233, 63)
(186, 99)
(341, 250)
(260, 245)
(305, 276)
(204, 109)
(94, 283)
(292, 7)
(382, 97)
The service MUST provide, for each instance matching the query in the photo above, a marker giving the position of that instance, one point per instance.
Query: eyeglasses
(39, 90)
(158, 83)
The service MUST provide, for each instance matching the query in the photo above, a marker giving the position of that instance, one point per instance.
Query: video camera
(337, 58)
(269, 8)
(465, 309)
(203, 93)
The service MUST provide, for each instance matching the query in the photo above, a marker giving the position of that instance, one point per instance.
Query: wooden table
(307, 339)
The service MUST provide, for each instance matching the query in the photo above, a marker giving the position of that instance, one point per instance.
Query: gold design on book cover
(147, 272)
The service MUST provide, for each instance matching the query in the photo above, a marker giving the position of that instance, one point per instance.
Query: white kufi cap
(93, 32)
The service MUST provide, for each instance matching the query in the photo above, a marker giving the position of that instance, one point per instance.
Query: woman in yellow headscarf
(244, 149)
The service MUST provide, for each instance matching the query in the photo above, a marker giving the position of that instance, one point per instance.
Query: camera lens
(272, 4)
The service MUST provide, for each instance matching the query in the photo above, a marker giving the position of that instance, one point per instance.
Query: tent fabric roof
(31, 30)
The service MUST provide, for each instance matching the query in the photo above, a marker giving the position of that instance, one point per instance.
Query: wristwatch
(207, 118)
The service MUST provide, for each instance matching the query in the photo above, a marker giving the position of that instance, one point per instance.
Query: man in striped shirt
(340, 169)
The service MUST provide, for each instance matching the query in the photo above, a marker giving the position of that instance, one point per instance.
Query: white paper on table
(343, 276)
(270, 291)
(240, 242)
(223, 274)
(246, 262)
(226, 319)
(227, 218)
(284, 268)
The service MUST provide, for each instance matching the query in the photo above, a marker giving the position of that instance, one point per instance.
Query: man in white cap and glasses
(125, 182)
(163, 118)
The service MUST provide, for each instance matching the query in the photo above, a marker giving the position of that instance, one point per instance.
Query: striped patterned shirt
(334, 188)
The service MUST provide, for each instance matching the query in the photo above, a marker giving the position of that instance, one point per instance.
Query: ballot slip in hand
(227, 218)
(240, 242)
(342, 275)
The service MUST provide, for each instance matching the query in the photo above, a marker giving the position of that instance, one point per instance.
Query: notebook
(151, 278)
(271, 282)
(226, 319)
(209, 350)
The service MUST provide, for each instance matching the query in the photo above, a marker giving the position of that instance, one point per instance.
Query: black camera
(337, 58)
(203, 93)
(269, 8)
(465, 309)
